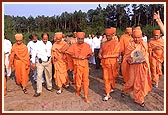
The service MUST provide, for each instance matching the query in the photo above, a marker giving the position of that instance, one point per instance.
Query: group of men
(140, 62)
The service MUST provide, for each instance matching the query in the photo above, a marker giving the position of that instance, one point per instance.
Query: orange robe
(20, 59)
(60, 63)
(69, 58)
(124, 41)
(5, 87)
(156, 58)
(81, 67)
(70, 63)
(109, 53)
(139, 74)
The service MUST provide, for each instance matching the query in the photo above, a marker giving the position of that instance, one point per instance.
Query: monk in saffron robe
(80, 52)
(72, 40)
(114, 37)
(114, 33)
(156, 56)
(20, 60)
(59, 61)
(124, 40)
(108, 54)
(139, 72)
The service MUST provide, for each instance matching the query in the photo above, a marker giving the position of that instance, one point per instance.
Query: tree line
(92, 21)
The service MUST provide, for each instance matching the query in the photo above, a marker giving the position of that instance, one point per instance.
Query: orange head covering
(18, 36)
(156, 32)
(129, 30)
(58, 34)
(110, 31)
(80, 35)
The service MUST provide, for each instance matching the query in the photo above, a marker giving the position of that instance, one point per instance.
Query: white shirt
(32, 46)
(43, 51)
(90, 42)
(144, 38)
(97, 42)
(7, 46)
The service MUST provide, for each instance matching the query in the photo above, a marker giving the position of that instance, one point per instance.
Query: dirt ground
(16, 100)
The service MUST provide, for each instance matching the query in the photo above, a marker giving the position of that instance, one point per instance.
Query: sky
(36, 9)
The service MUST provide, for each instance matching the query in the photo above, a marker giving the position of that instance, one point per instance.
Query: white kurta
(7, 51)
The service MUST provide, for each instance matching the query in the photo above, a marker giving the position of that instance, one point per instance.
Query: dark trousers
(97, 59)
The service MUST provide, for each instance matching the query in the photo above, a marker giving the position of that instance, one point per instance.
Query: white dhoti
(8, 70)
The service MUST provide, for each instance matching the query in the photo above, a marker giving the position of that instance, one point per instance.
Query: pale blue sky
(48, 9)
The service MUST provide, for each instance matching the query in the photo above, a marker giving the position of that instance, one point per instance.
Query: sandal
(59, 92)
(66, 86)
(106, 98)
(142, 104)
(25, 91)
(112, 91)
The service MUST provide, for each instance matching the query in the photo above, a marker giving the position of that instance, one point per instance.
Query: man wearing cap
(108, 54)
(41, 58)
(20, 61)
(59, 60)
(124, 40)
(156, 56)
(80, 52)
(139, 81)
